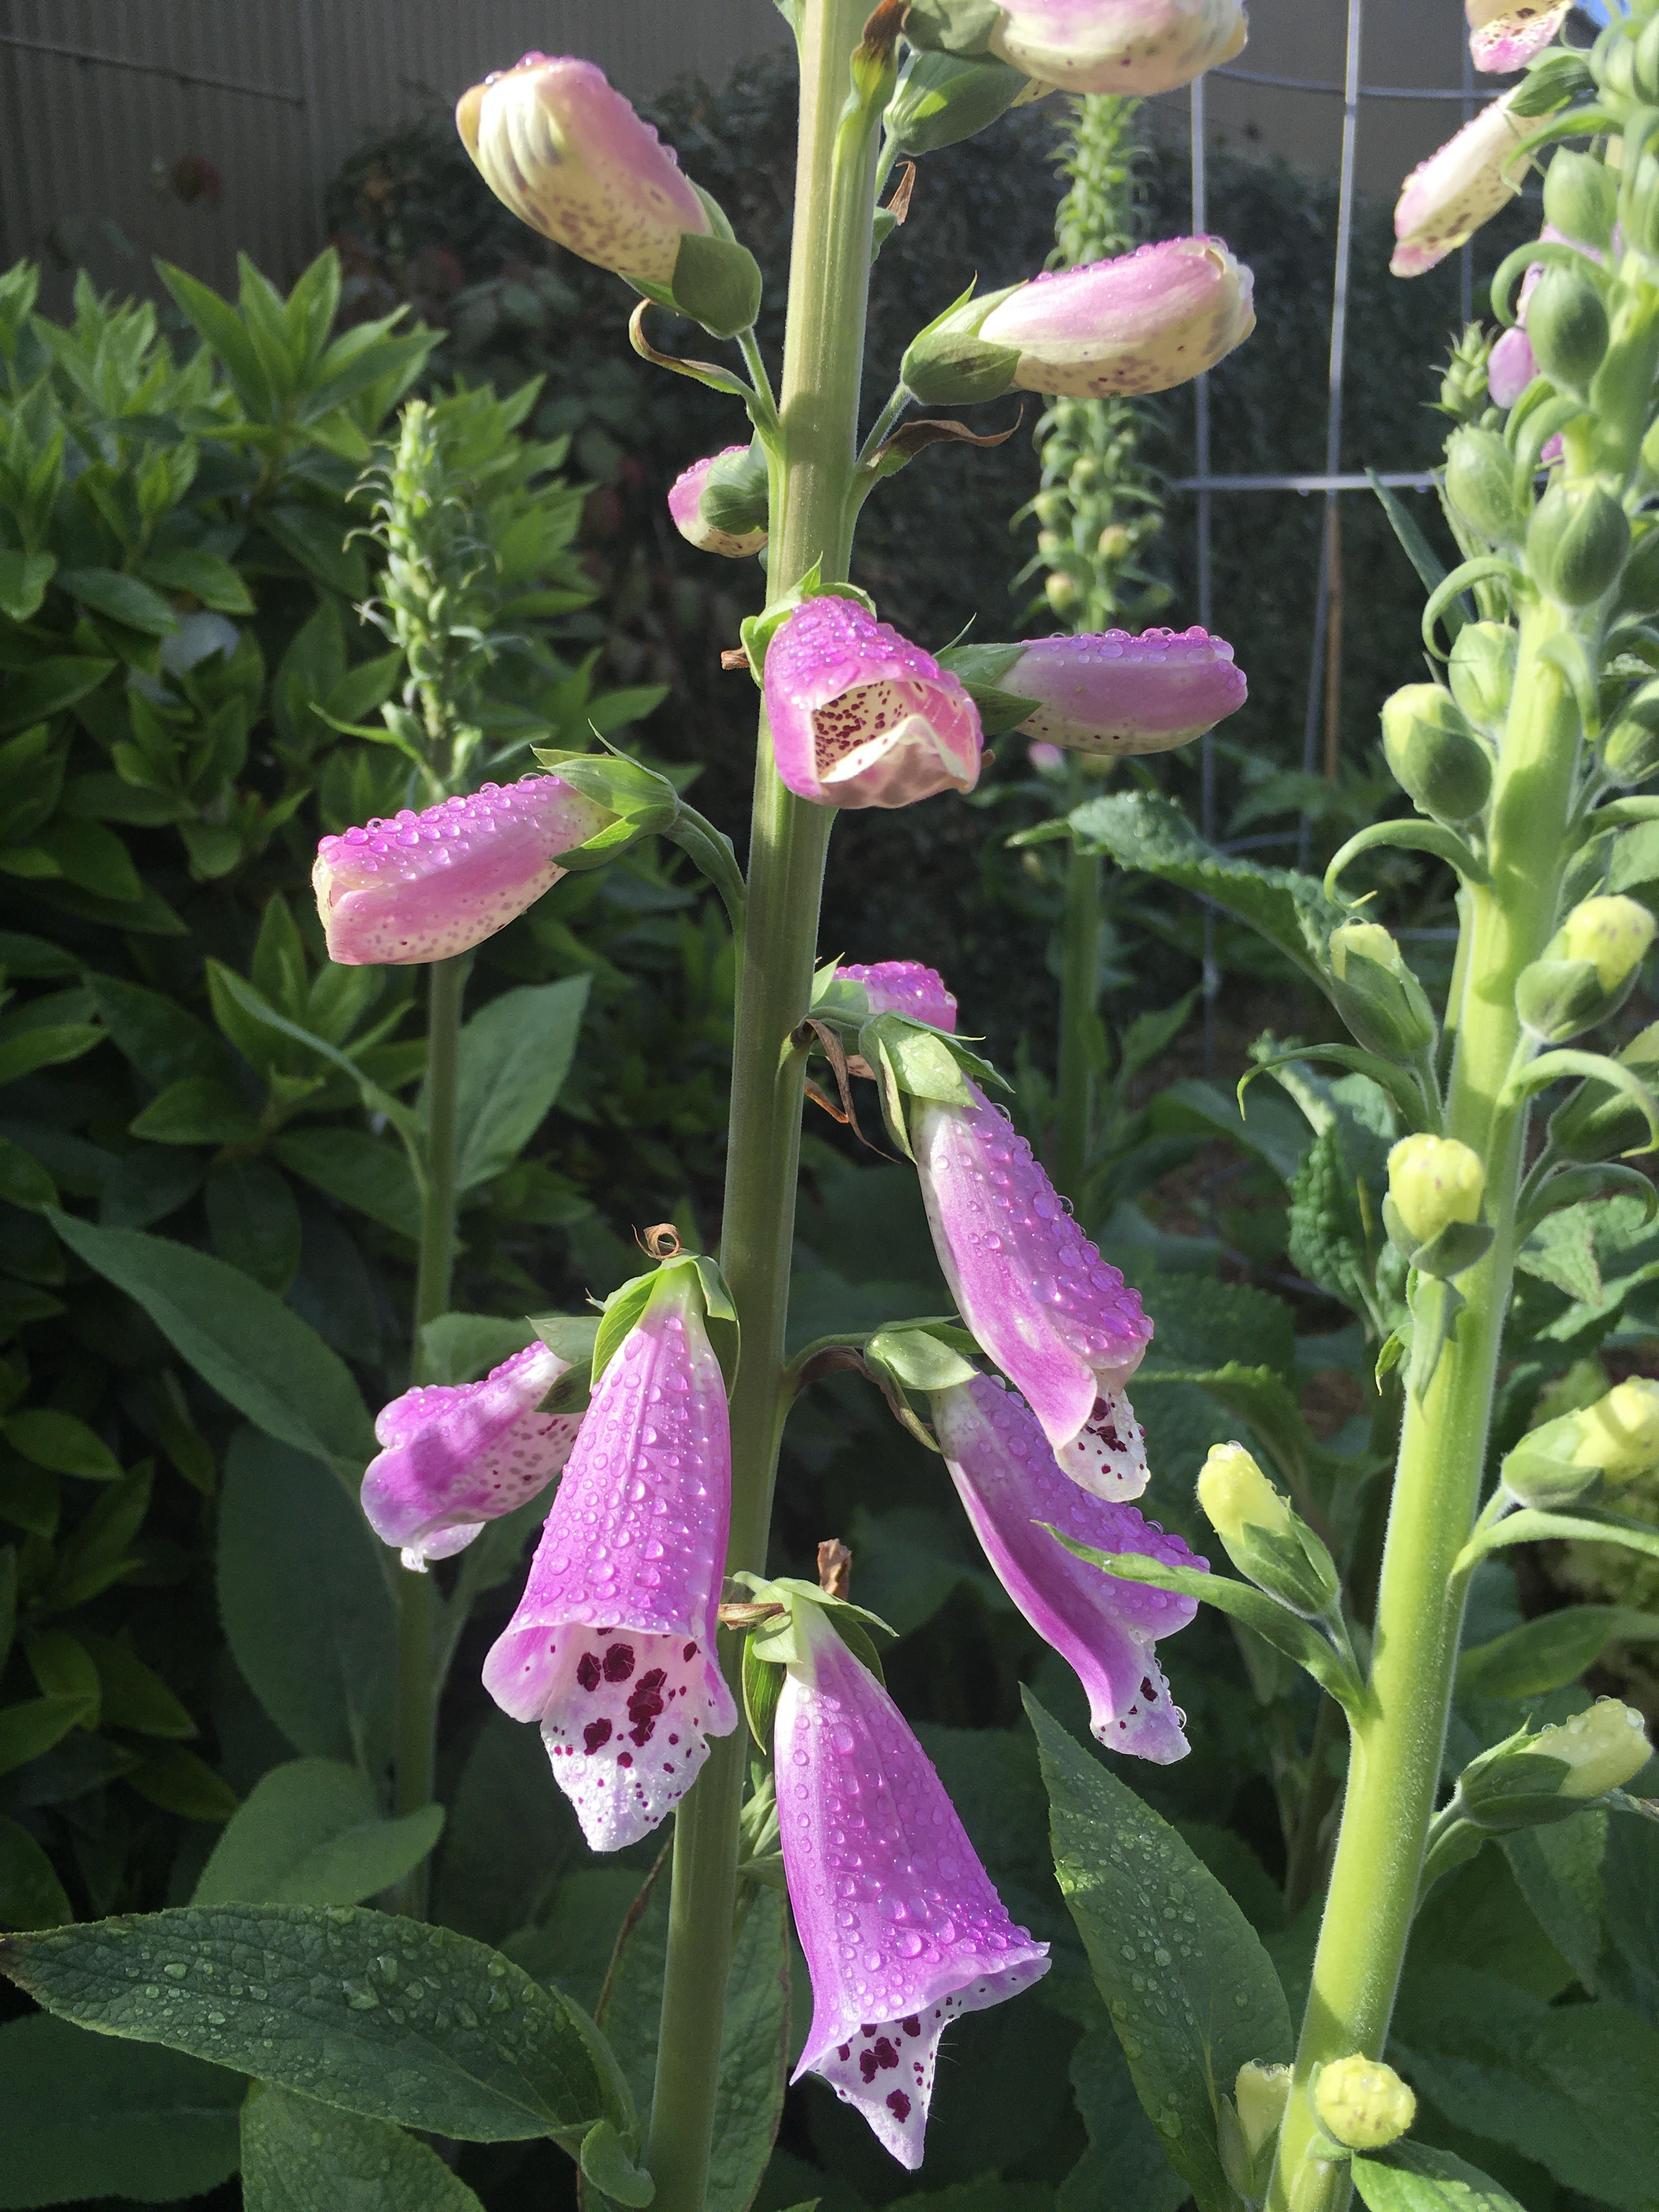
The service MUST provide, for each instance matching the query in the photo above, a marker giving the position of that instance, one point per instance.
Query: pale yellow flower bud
(1604, 1748)
(1261, 2093)
(1621, 1432)
(1433, 1181)
(1613, 932)
(1363, 2102)
(1364, 940)
(1236, 1495)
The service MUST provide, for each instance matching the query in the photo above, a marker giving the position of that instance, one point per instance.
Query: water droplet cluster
(905, 986)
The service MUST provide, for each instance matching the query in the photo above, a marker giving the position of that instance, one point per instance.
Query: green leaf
(303, 1596)
(1193, 1998)
(206, 576)
(1417, 2179)
(510, 1836)
(371, 2013)
(359, 1170)
(23, 581)
(514, 1058)
(1262, 1398)
(299, 2155)
(1124, 2166)
(1558, 1871)
(458, 1347)
(1548, 1652)
(254, 1221)
(35, 1725)
(241, 1339)
(225, 334)
(1561, 1250)
(312, 1833)
(132, 1696)
(179, 1782)
(48, 1046)
(32, 695)
(1142, 831)
(1589, 1524)
(754, 2035)
(123, 598)
(62, 1441)
(31, 1895)
(163, 1040)
(83, 2116)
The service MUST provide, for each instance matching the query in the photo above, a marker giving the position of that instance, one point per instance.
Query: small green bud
(1261, 2093)
(1613, 63)
(941, 97)
(1644, 65)
(1638, 585)
(1480, 484)
(1604, 1748)
(1613, 933)
(1481, 673)
(1061, 591)
(1270, 1545)
(1435, 1181)
(1581, 199)
(1531, 1781)
(1558, 1000)
(1375, 993)
(1441, 767)
(1576, 541)
(1553, 77)
(1567, 325)
(1629, 743)
(1574, 1456)
(1597, 1123)
(1362, 2104)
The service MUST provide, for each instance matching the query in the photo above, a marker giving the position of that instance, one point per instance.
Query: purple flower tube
(459, 1455)
(903, 986)
(1104, 1627)
(1116, 694)
(612, 1648)
(1144, 322)
(860, 717)
(423, 887)
(902, 1928)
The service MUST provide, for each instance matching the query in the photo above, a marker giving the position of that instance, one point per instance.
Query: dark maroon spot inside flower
(899, 2104)
(689, 1652)
(867, 2065)
(625, 1759)
(1111, 1439)
(673, 1739)
(587, 1670)
(884, 2053)
(1146, 1689)
(646, 1704)
(866, 2028)
(595, 1734)
(619, 1662)
(911, 2025)
(846, 2050)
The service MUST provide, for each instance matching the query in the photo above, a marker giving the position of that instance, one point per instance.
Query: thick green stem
(1078, 1023)
(1394, 1768)
(417, 1683)
(821, 373)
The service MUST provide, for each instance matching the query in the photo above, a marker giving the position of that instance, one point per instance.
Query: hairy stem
(821, 372)
(1395, 1769)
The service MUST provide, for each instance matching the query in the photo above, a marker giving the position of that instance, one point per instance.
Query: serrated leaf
(299, 2155)
(1561, 1250)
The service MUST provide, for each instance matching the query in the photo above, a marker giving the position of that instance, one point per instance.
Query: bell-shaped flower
(1144, 322)
(1104, 1627)
(719, 503)
(423, 887)
(571, 158)
(860, 717)
(903, 986)
(459, 1455)
(1118, 694)
(612, 1648)
(1060, 1321)
(1503, 37)
(1118, 45)
(1447, 199)
(901, 1926)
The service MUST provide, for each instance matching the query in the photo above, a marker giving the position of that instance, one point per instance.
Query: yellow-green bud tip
(1433, 1181)
(1236, 1495)
(1261, 2093)
(1621, 1432)
(1613, 932)
(1362, 2103)
(1363, 940)
(1603, 1748)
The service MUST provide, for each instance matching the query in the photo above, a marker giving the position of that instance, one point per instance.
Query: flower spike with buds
(718, 504)
(859, 716)
(1009, 1481)
(612, 1648)
(423, 887)
(457, 1454)
(902, 1928)
(1056, 1318)
(1117, 694)
(1447, 199)
(1503, 37)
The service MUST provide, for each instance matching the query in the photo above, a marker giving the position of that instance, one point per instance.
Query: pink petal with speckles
(902, 1928)
(459, 1455)
(1118, 45)
(612, 1648)
(1057, 1320)
(903, 986)
(1144, 322)
(1447, 199)
(1104, 1627)
(423, 887)
(860, 717)
(1503, 37)
(1116, 694)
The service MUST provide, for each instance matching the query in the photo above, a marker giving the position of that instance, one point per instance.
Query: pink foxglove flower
(1118, 45)
(457, 1454)
(423, 887)
(1504, 37)
(612, 1648)
(1447, 199)
(860, 717)
(1117, 694)
(1060, 1323)
(904, 987)
(1510, 367)
(571, 158)
(1103, 1626)
(1144, 322)
(709, 523)
(901, 1926)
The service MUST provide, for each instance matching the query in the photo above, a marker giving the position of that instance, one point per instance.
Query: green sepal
(644, 803)
(1552, 78)
(762, 1685)
(946, 364)
(626, 1306)
(1435, 1307)
(605, 2162)
(1457, 1247)
(773, 1641)
(953, 27)
(717, 283)
(980, 668)
(756, 632)
(941, 98)
(1558, 1000)
(926, 1359)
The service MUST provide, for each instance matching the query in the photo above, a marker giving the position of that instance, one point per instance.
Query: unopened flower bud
(1644, 64)
(1480, 484)
(1261, 2093)
(1270, 1545)
(1597, 1123)
(1580, 197)
(1612, 62)
(720, 504)
(1060, 592)
(1115, 542)
(1571, 1456)
(1531, 1781)
(1567, 326)
(1363, 2104)
(1629, 743)
(1612, 934)
(1376, 994)
(1576, 541)
(1434, 1183)
(1604, 1749)
(1447, 199)
(1437, 760)
(1481, 673)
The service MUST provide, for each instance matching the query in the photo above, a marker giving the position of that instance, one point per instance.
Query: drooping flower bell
(902, 1928)
(457, 1455)
(1060, 1321)
(1504, 36)
(1447, 199)
(903, 986)
(1104, 1627)
(719, 503)
(1118, 45)
(1117, 694)
(572, 158)
(860, 717)
(423, 887)
(612, 1648)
